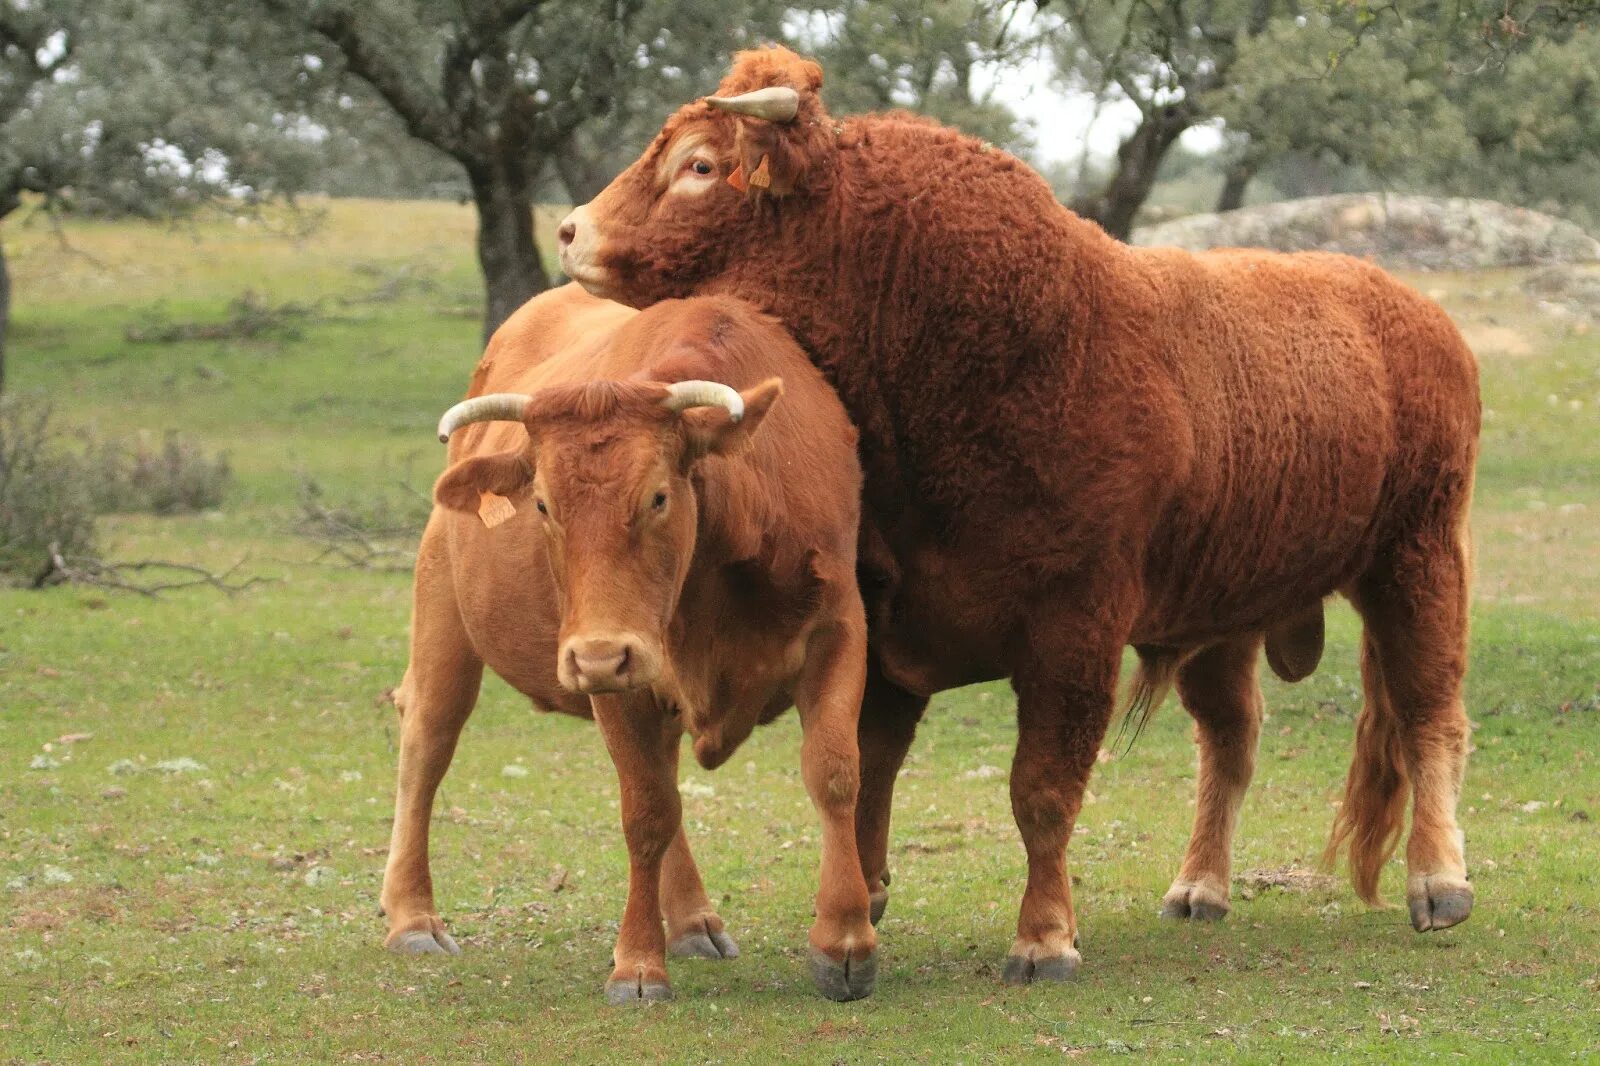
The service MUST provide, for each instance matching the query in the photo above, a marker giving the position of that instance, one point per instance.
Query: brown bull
(1071, 446)
(678, 557)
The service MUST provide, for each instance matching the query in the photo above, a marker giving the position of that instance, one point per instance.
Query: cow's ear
(461, 487)
(711, 431)
(772, 157)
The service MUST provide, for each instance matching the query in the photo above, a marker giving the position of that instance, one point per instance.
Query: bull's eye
(542, 508)
(701, 167)
(660, 501)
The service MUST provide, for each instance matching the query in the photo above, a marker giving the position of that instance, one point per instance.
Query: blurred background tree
(120, 107)
(156, 106)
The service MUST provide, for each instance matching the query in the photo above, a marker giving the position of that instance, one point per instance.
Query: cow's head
(606, 469)
(710, 188)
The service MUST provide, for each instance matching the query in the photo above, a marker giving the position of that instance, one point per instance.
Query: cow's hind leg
(889, 717)
(1219, 689)
(434, 700)
(1413, 728)
(694, 928)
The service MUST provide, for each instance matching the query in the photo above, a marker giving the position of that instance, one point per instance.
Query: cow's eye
(701, 167)
(659, 502)
(542, 508)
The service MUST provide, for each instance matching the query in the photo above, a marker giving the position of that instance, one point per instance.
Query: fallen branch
(117, 575)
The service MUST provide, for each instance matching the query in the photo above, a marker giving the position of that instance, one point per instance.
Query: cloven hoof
(704, 945)
(1186, 901)
(635, 991)
(844, 981)
(1025, 970)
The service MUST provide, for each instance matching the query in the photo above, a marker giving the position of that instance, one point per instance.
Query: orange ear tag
(736, 179)
(762, 177)
(494, 509)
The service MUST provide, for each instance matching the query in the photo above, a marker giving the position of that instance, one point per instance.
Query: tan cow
(679, 557)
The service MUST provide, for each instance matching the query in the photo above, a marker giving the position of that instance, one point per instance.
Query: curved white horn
(686, 394)
(776, 103)
(495, 407)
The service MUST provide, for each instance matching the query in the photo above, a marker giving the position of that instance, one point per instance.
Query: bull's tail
(1152, 680)
(1372, 816)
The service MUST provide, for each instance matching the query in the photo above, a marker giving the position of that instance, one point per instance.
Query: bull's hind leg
(1219, 689)
(1414, 728)
(434, 700)
(889, 717)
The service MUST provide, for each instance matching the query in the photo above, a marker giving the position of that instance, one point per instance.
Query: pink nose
(564, 235)
(601, 665)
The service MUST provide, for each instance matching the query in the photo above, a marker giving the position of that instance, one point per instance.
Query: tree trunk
(5, 314)
(1138, 160)
(1234, 185)
(512, 270)
(580, 177)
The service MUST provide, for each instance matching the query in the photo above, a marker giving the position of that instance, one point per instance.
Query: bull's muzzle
(578, 241)
(616, 663)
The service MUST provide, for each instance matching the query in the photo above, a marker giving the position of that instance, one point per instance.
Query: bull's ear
(461, 487)
(711, 431)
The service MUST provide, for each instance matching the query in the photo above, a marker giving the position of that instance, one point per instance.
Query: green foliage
(45, 503)
(925, 55)
(138, 477)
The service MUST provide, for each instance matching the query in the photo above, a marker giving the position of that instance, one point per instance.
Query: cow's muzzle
(614, 663)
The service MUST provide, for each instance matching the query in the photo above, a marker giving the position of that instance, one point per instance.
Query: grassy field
(194, 875)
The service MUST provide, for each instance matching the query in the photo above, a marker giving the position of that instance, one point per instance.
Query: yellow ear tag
(762, 177)
(736, 179)
(494, 509)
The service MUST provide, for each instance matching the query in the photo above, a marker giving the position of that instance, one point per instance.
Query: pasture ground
(224, 909)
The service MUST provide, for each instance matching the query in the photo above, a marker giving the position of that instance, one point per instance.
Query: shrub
(45, 499)
(137, 477)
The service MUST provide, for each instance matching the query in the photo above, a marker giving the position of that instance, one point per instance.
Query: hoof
(423, 942)
(1187, 901)
(879, 903)
(844, 981)
(637, 990)
(704, 945)
(1026, 969)
(1437, 903)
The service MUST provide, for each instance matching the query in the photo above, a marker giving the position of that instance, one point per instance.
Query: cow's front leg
(640, 740)
(844, 959)
(1066, 689)
(694, 929)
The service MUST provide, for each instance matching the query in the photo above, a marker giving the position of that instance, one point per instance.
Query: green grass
(175, 916)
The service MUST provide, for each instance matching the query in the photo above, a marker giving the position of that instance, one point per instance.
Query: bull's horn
(686, 394)
(776, 103)
(495, 407)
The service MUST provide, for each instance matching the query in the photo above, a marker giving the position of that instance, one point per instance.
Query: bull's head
(607, 469)
(713, 186)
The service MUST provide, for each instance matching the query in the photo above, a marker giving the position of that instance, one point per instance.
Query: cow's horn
(776, 103)
(495, 407)
(686, 394)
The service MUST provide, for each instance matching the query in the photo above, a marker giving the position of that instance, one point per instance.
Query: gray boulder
(1405, 232)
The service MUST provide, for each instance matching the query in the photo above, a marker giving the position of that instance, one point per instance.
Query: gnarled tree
(499, 86)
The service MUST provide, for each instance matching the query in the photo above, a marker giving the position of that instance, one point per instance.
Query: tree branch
(425, 116)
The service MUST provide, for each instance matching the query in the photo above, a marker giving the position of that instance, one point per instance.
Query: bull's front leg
(844, 959)
(640, 740)
(1066, 690)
